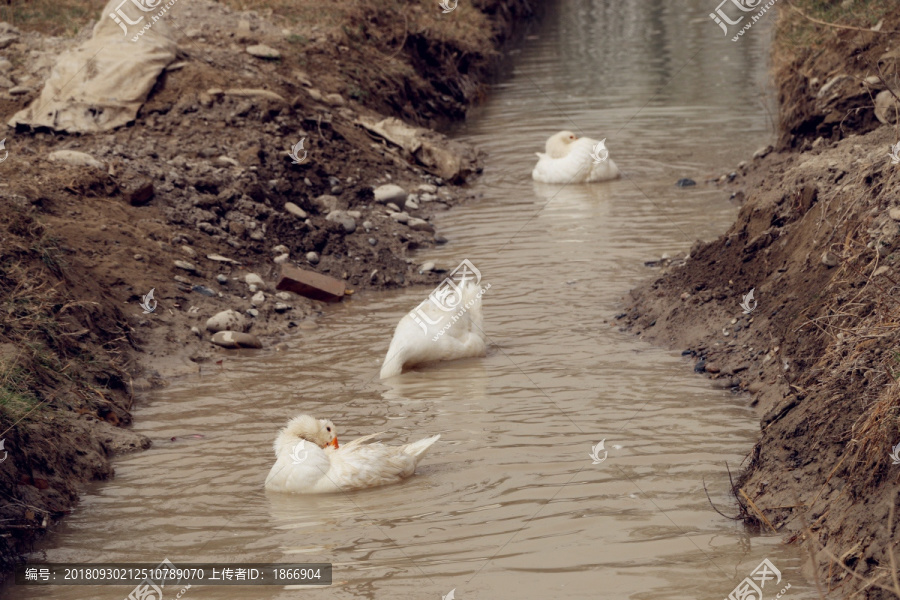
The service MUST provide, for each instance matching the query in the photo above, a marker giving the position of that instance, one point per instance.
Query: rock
(183, 280)
(253, 312)
(390, 193)
(253, 288)
(227, 320)
(334, 99)
(427, 187)
(75, 159)
(411, 204)
(281, 307)
(685, 182)
(428, 197)
(712, 368)
(189, 252)
(295, 210)
(202, 289)
(417, 224)
(235, 339)
(310, 284)
(887, 109)
(355, 214)
(400, 217)
(895, 213)
(829, 259)
(346, 221)
(183, 264)
(140, 193)
(282, 258)
(439, 239)
(373, 241)
(196, 331)
(367, 225)
(700, 367)
(762, 152)
(280, 249)
(254, 93)
(263, 51)
(253, 279)
(258, 299)
(312, 257)
(221, 279)
(427, 267)
(392, 207)
(725, 383)
(326, 203)
(19, 90)
(224, 162)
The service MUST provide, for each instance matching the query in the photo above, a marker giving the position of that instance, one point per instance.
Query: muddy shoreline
(817, 241)
(83, 245)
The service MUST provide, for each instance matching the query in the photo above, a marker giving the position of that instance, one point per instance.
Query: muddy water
(508, 505)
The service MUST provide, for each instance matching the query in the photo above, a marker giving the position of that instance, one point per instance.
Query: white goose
(568, 159)
(310, 461)
(429, 333)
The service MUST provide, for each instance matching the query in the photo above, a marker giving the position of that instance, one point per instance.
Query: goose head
(320, 432)
(558, 144)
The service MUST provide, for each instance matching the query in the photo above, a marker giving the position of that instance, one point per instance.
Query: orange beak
(334, 443)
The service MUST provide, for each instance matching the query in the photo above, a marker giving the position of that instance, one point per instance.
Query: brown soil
(76, 256)
(818, 355)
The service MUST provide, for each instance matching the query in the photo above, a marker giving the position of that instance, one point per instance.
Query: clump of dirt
(818, 243)
(200, 192)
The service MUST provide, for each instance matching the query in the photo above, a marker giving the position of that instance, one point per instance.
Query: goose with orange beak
(310, 461)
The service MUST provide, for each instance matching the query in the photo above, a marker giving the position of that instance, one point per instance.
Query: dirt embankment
(80, 246)
(818, 242)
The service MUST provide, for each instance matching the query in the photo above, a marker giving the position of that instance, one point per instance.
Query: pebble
(227, 320)
(263, 51)
(282, 258)
(258, 299)
(829, 259)
(417, 224)
(253, 288)
(253, 279)
(725, 383)
(367, 225)
(895, 213)
(428, 197)
(762, 152)
(334, 99)
(236, 339)
(389, 193)
(221, 279)
(685, 182)
(19, 90)
(183, 264)
(411, 204)
(346, 221)
(253, 312)
(712, 368)
(312, 257)
(373, 241)
(295, 210)
(400, 217)
(280, 249)
(283, 296)
(187, 250)
(439, 239)
(202, 289)
(181, 279)
(393, 207)
(196, 331)
(427, 267)
(280, 307)
(138, 257)
(427, 187)
(76, 159)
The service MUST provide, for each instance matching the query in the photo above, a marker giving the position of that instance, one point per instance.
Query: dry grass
(795, 31)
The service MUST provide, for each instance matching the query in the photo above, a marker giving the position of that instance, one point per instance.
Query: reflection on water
(508, 504)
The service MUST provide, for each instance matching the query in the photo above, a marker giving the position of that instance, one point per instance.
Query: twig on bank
(757, 511)
(835, 25)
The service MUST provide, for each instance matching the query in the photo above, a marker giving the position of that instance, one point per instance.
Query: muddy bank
(818, 242)
(198, 193)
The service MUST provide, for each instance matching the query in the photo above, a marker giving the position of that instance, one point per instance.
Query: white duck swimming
(430, 333)
(310, 461)
(570, 159)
